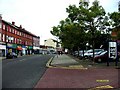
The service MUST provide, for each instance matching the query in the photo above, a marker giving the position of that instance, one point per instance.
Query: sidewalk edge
(62, 67)
(49, 62)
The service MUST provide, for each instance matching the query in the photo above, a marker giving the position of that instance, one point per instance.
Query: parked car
(101, 57)
(89, 53)
(81, 53)
(11, 55)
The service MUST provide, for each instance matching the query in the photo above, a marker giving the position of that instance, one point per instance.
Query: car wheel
(99, 60)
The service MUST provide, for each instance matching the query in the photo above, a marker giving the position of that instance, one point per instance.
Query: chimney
(13, 23)
(20, 26)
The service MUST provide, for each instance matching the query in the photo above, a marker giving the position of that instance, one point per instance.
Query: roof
(18, 28)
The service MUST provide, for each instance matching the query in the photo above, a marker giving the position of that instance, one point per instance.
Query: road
(23, 72)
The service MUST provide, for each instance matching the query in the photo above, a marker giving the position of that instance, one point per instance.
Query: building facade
(53, 45)
(36, 44)
(16, 39)
(50, 42)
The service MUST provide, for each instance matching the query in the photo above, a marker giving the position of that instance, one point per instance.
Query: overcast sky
(39, 16)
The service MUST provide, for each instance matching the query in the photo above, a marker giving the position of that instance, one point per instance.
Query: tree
(115, 22)
(84, 24)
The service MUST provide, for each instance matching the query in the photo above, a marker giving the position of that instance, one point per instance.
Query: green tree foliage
(115, 17)
(115, 22)
(84, 24)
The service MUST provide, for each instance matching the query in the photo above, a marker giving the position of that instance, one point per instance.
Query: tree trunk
(78, 51)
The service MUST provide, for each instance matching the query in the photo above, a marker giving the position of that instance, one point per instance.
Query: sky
(39, 16)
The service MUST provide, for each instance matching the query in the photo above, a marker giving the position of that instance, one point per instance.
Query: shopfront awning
(19, 48)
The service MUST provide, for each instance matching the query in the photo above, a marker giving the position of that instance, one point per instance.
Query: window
(6, 38)
(17, 33)
(15, 40)
(7, 28)
(3, 37)
(0, 24)
(25, 42)
(12, 30)
(20, 41)
(3, 27)
(20, 33)
(12, 39)
(0, 37)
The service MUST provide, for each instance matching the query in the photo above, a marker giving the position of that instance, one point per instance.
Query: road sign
(113, 50)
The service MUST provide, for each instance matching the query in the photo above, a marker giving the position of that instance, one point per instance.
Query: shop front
(11, 48)
(36, 50)
(19, 50)
(24, 50)
(3, 50)
(29, 50)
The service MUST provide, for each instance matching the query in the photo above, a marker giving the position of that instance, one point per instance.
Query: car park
(11, 55)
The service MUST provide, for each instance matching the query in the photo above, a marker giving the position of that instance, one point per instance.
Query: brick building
(16, 39)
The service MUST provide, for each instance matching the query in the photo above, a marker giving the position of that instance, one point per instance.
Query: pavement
(65, 61)
(66, 71)
(70, 62)
(2, 58)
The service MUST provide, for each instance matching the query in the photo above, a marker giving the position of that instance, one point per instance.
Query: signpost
(112, 51)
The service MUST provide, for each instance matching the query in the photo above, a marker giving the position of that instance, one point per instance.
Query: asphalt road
(23, 72)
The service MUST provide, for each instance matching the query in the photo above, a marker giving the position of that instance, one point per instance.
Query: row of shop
(18, 49)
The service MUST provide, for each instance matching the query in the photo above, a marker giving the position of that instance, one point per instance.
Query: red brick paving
(66, 78)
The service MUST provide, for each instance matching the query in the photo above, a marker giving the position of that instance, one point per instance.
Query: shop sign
(23, 46)
(36, 48)
(2, 47)
(14, 45)
(19, 48)
(11, 45)
(30, 47)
